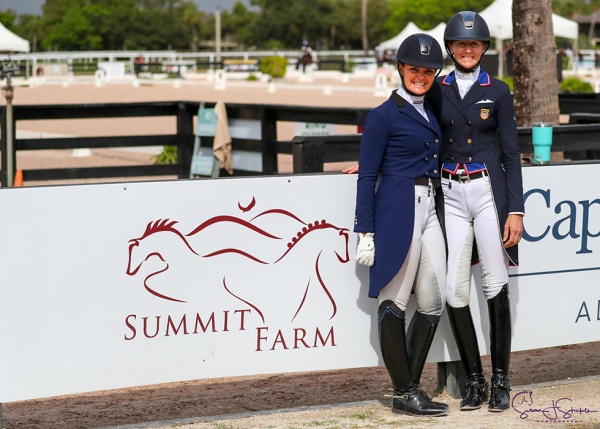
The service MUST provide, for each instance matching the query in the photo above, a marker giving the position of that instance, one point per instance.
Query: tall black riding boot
(407, 397)
(461, 322)
(421, 331)
(500, 339)
(419, 337)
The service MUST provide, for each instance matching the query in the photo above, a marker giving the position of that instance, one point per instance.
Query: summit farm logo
(250, 253)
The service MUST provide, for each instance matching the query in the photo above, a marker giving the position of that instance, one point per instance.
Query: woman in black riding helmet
(483, 203)
(400, 145)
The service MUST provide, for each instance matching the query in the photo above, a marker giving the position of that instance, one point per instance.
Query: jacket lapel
(475, 94)
(462, 104)
(452, 95)
(407, 109)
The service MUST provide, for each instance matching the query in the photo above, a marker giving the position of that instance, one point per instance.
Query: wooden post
(269, 139)
(218, 35)
(10, 134)
(3, 134)
(185, 139)
(308, 155)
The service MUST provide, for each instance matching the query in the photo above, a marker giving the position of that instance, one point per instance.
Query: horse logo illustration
(265, 245)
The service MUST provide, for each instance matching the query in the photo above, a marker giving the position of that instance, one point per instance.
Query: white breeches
(424, 269)
(470, 213)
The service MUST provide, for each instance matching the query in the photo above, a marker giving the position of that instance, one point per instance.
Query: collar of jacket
(398, 101)
(483, 80)
(401, 102)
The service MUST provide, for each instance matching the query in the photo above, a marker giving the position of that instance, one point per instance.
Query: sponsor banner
(558, 277)
(314, 129)
(554, 291)
(118, 285)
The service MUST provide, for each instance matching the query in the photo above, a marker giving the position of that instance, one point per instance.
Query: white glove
(365, 251)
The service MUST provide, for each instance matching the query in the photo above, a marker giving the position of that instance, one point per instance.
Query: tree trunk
(363, 16)
(592, 31)
(534, 63)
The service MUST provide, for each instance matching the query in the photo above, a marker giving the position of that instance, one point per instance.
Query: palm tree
(593, 5)
(363, 15)
(534, 63)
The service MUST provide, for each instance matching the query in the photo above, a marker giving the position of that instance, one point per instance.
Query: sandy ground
(547, 382)
(351, 398)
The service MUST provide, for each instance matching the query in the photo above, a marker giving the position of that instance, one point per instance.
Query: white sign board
(314, 129)
(119, 285)
(116, 285)
(246, 129)
(555, 298)
(113, 68)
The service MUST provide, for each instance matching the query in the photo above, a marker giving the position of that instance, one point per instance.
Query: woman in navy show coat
(483, 203)
(397, 187)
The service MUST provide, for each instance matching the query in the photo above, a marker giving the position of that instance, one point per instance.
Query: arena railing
(580, 137)
(266, 144)
(311, 153)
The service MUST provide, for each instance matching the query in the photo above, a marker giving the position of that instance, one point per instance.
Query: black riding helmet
(466, 25)
(420, 50)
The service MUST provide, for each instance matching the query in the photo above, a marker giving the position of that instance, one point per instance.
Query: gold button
(469, 141)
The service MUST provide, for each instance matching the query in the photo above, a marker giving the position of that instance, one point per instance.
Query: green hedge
(273, 66)
(575, 85)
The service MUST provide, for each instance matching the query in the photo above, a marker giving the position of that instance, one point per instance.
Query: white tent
(498, 16)
(411, 28)
(437, 33)
(10, 42)
(564, 27)
(395, 41)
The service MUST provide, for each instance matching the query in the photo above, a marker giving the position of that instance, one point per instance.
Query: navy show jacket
(397, 146)
(481, 128)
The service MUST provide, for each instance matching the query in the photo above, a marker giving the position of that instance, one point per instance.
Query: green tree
(590, 7)
(7, 18)
(119, 24)
(426, 14)
(567, 8)
(291, 21)
(77, 30)
(239, 25)
(30, 28)
(192, 18)
(116, 25)
(364, 6)
(87, 24)
(348, 14)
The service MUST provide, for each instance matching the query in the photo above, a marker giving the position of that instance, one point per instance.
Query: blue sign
(207, 122)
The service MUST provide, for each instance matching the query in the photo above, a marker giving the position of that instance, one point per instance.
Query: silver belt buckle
(464, 177)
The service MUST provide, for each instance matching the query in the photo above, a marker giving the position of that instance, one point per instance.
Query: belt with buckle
(464, 177)
(424, 181)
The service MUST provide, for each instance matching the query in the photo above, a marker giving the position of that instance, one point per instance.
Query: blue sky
(35, 6)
